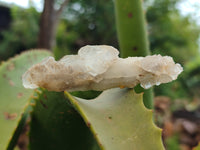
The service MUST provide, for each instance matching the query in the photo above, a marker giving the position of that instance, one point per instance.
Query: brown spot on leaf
(9, 116)
(88, 124)
(23, 140)
(4, 76)
(135, 48)
(11, 67)
(19, 95)
(61, 112)
(43, 104)
(110, 117)
(45, 96)
(11, 83)
(130, 14)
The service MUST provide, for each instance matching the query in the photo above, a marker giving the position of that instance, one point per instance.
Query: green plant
(132, 35)
(14, 99)
(55, 123)
(117, 119)
(55, 120)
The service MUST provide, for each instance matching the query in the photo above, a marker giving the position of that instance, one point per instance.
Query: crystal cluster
(100, 68)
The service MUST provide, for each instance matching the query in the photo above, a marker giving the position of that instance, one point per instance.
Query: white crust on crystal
(100, 68)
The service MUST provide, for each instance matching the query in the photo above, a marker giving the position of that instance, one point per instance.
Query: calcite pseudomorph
(100, 68)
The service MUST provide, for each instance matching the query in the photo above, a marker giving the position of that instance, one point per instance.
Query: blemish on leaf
(4, 76)
(61, 112)
(11, 83)
(43, 104)
(135, 48)
(130, 14)
(88, 124)
(110, 117)
(45, 96)
(10, 67)
(9, 116)
(19, 95)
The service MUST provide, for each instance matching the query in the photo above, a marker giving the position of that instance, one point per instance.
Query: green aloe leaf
(55, 125)
(120, 121)
(14, 98)
(132, 35)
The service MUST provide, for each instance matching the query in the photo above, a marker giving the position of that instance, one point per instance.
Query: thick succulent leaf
(119, 121)
(13, 96)
(55, 125)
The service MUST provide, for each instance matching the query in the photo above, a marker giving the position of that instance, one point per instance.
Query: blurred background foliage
(93, 22)
(22, 32)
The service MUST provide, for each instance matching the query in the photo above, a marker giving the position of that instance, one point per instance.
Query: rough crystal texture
(100, 68)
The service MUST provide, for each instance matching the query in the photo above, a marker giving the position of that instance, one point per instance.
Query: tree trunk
(48, 24)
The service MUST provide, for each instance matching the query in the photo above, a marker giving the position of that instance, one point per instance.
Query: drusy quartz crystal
(100, 68)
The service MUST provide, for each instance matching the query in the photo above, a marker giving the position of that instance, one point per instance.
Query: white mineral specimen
(100, 68)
